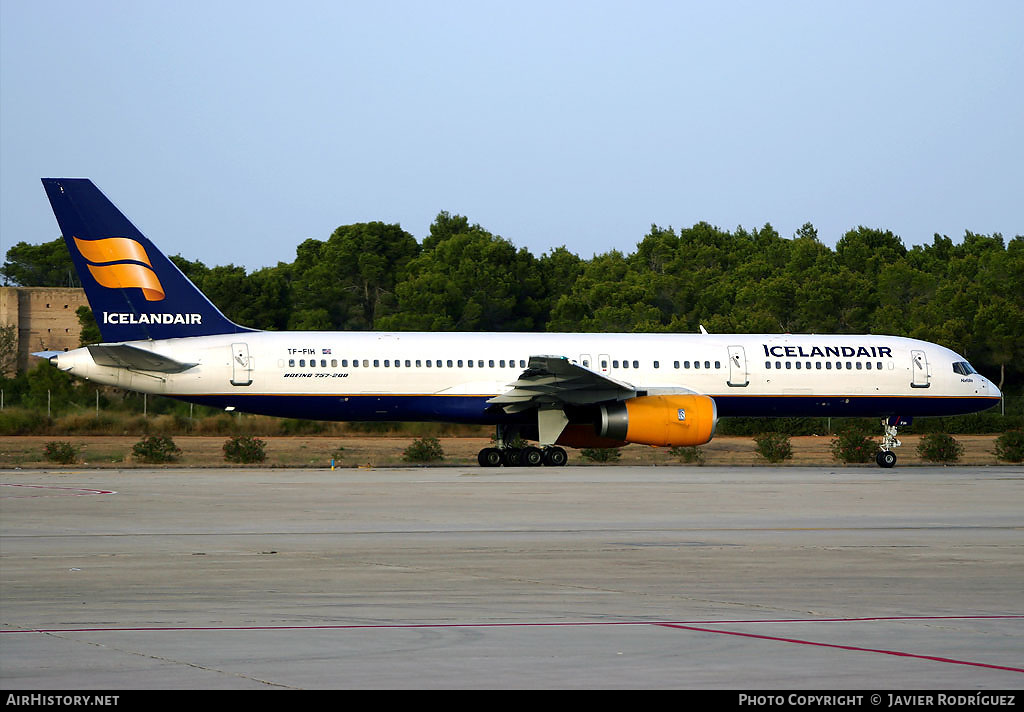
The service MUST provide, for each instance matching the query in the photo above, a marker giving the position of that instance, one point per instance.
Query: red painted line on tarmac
(854, 648)
(67, 491)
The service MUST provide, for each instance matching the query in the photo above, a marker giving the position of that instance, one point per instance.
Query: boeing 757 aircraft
(162, 336)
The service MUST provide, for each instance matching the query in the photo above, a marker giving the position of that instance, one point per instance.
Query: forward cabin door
(241, 365)
(738, 367)
(919, 369)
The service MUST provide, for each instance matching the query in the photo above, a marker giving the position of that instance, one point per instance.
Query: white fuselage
(449, 376)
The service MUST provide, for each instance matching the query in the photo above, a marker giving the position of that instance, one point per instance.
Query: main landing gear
(529, 456)
(885, 456)
(512, 452)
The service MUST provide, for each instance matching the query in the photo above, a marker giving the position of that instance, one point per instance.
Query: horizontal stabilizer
(126, 356)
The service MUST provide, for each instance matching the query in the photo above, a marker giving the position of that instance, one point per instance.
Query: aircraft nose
(993, 390)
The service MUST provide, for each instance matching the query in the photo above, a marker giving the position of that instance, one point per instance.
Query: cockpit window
(963, 368)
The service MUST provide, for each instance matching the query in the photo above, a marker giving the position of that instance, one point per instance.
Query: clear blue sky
(230, 131)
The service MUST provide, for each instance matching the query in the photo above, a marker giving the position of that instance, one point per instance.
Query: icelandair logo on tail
(119, 262)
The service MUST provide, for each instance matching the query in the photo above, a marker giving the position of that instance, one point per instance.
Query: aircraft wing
(555, 380)
(127, 356)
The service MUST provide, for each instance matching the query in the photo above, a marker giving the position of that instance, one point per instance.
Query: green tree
(472, 281)
(45, 265)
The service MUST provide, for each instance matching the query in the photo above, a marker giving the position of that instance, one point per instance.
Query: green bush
(689, 455)
(60, 451)
(23, 421)
(244, 449)
(773, 447)
(939, 447)
(852, 444)
(426, 449)
(1010, 446)
(601, 454)
(156, 449)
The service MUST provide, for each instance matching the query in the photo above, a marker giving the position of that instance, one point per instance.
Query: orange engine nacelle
(660, 420)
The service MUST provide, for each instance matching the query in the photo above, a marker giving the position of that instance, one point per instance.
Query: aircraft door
(738, 367)
(586, 361)
(919, 369)
(241, 365)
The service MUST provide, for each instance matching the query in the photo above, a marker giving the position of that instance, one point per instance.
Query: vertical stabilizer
(135, 292)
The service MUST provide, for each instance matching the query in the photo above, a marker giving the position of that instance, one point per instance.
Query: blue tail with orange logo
(135, 292)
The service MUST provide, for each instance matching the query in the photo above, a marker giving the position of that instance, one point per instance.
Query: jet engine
(660, 420)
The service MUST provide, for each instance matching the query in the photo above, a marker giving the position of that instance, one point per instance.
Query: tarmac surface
(741, 578)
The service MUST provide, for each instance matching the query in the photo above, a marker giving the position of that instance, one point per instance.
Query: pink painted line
(844, 647)
(75, 491)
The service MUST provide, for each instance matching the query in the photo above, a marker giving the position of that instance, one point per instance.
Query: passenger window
(696, 364)
(636, 364)
(768, 365)
(675, 364)
(302, 362)
(291, 363)
(656, 364)
(501, 363)
(366, 363)
(615, 364)
(468, 363)
(449, 363)
(490, 363)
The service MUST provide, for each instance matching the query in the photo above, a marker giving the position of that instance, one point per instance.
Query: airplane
(161, 335)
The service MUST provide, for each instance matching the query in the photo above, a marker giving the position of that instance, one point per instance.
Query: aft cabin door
(919, 369)
(737, 367)
(241, 365)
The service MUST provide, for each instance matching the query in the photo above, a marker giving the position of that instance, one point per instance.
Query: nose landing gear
(886, 457)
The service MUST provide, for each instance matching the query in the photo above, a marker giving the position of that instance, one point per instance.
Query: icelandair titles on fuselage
(828, 351)
(129, 318)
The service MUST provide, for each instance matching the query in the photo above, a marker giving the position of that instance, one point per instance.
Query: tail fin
(135, 292)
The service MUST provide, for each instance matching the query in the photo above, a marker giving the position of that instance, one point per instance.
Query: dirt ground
(386, 451)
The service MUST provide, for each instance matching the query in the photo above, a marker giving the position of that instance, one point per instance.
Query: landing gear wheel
(512, 457)
(532, 456)
(489, 457)
(555, 457)
(886, 459)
